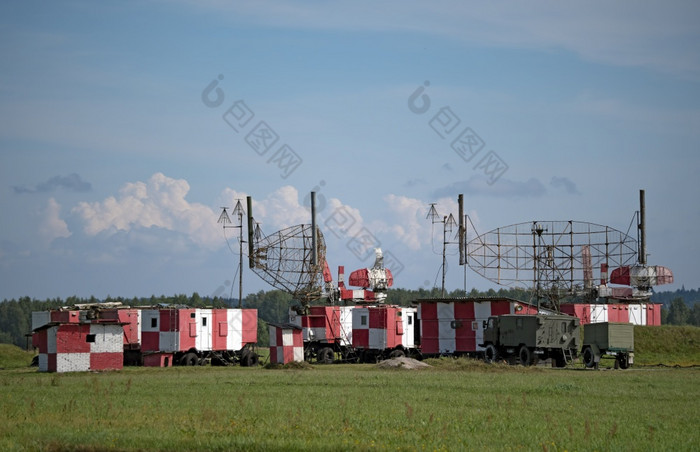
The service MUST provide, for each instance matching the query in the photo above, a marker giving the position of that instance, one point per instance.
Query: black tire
(526, 356)
(325, 356)
(623, 361)
(253, 359)
(588, 357)
(398, 353)
(491, 354)
(189, 359)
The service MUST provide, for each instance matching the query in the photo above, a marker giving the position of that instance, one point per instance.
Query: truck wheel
(588, 357)
(325, 356)
(397, 354)
(190, 359)
(491, 354)
(526, 356)
(623, 361)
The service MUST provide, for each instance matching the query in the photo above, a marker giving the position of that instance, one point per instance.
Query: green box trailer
(611, 339)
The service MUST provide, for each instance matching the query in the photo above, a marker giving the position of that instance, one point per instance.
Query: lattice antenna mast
(225, 221)
(448, 223)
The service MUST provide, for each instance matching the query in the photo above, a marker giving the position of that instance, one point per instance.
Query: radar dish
(553, 258)
(284, 260)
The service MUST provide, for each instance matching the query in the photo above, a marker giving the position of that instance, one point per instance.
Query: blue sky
(113, 168)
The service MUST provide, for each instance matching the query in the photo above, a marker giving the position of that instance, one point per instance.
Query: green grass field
(455, 405)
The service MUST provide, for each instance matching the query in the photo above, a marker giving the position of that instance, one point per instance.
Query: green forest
(680, 307)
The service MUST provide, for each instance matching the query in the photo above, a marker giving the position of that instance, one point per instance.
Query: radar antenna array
(554, 258)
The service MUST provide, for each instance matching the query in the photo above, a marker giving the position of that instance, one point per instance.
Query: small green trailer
(609, 339)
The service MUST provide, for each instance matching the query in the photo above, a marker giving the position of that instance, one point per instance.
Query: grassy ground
(456, 405)
(12, 357)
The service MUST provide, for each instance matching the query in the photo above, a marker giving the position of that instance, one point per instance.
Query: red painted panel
(130, 318)
(297, 338)
(72, 338)
(430, 345)
(464, 311)
(653, 314)
(150, 341)
(377, 318)
(392, 339)
(250, 326)
(220, 329)
(360, 338)
(500, 307)
(158, 360)
(428, 311)
(65, 316)
(288, 354)
(104, 361)
(465, 336)
(624, 314)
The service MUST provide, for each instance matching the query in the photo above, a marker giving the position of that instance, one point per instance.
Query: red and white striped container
(179, 330)
(383, 327)
(457, 325)
(634, 313)
(286, 344)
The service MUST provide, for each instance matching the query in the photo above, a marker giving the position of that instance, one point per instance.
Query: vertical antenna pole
(240, 260)
(642, 230)
(251, 248)
(460, 201)
(314, 251)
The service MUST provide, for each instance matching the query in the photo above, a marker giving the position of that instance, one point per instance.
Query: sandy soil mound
(402, 363)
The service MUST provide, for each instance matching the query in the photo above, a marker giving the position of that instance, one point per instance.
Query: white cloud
(51, 225)
(160, 202)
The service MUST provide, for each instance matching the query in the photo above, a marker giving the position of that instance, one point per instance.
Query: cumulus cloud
(565, 183)
(502, 188)
(51, 225)
(160, 202)
(71, 182)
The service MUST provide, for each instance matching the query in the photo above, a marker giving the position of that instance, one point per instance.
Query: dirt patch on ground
(402, 363)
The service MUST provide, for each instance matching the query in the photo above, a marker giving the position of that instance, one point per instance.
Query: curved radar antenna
(284, 260)
(554, 259)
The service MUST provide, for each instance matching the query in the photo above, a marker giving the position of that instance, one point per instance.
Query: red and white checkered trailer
(192, 336)
(380, 332)
(72, 341)
(634, 313)
(456, 326)
(326, 332)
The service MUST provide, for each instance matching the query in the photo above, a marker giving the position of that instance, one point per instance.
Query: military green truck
(608, 339)
(530, 338)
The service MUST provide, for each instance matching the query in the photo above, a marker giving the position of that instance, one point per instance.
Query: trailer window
(204, 321)
(363, 320)
(90, 338)
(410, 320)
(154, 322)
(192, 315)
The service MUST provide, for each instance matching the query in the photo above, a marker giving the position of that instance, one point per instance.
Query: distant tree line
(273, 307)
